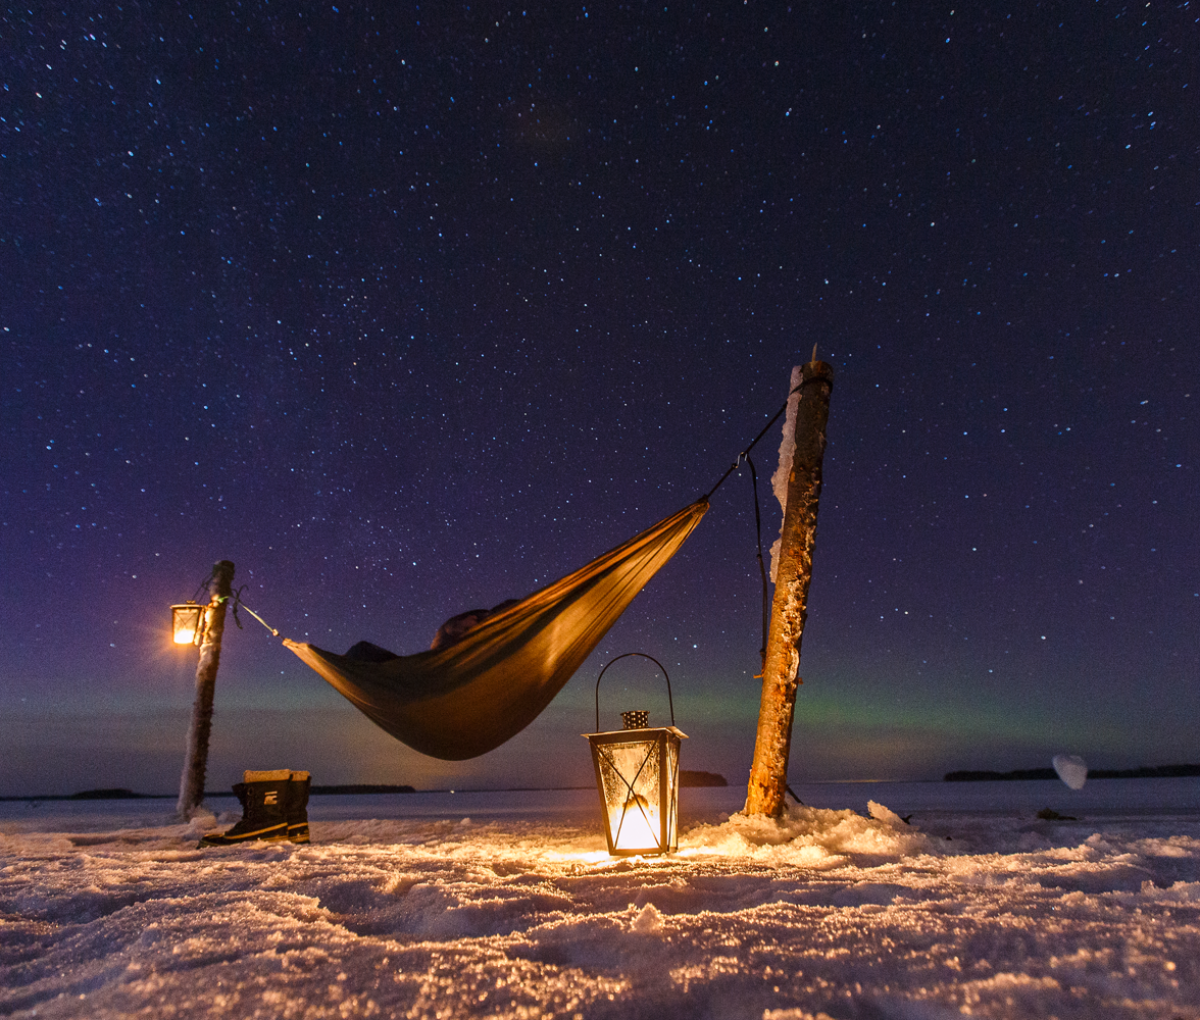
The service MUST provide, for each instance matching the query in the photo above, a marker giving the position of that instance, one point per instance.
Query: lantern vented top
(635, 720)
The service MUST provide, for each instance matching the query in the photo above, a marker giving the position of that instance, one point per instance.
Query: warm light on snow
(584, 857)
(403, 907)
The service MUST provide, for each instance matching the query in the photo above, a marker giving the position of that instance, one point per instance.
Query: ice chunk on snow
(1071, 769)
(883, 814)
(648, 921)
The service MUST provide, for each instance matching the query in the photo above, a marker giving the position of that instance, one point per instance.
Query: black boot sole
(269, 834)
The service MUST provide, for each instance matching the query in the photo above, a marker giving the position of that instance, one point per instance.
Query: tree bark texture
(789, 610)
(195, 764)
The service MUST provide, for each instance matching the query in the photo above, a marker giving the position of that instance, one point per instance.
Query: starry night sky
(411, 310)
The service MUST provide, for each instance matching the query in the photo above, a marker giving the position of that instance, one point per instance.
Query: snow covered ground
(505, 905)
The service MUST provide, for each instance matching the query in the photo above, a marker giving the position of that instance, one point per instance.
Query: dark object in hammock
(364, 651)
(455, 629)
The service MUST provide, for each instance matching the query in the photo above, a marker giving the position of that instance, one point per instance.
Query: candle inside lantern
(638, 828)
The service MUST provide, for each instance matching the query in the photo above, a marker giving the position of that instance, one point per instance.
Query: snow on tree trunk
(787, 449)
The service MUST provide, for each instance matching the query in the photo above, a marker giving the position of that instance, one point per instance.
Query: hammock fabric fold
(469, 698)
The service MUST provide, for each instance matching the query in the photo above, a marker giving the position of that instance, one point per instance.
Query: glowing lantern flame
(187, 623)
(637, 826)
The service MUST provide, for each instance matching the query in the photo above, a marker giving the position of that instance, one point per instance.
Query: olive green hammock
(468, 698)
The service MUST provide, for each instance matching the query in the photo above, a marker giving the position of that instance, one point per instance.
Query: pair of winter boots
(274, 808)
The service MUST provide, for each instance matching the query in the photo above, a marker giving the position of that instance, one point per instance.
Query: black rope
(745, 453)
(234, 599)
(239, 604)
(204, 587)
(237, 601)
(762, 570)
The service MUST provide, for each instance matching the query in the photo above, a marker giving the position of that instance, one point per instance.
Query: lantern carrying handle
(670, 702)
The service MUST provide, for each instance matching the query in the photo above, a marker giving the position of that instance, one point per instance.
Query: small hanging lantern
(187, 623)
(637, 775)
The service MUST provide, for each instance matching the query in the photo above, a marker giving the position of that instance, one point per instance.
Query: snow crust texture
(829, 913)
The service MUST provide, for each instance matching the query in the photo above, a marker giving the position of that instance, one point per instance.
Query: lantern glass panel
(187, 623)
(637, 772)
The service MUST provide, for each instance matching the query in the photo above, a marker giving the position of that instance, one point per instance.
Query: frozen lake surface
(506, 905)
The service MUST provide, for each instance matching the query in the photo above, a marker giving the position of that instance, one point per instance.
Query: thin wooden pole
(789, 610)
(195, 763)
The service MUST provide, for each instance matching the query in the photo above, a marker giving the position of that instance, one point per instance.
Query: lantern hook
(670, 702)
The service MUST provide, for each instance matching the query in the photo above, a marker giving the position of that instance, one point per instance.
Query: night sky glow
(408, 311)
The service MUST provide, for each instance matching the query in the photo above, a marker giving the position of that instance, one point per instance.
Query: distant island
(686, 778)
(113, 793)
(1145, 772)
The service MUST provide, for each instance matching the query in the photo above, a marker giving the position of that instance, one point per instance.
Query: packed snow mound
(413, 907)
(812, 837)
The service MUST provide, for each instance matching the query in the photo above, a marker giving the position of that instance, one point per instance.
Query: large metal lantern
(187, 623)
(637, 774)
